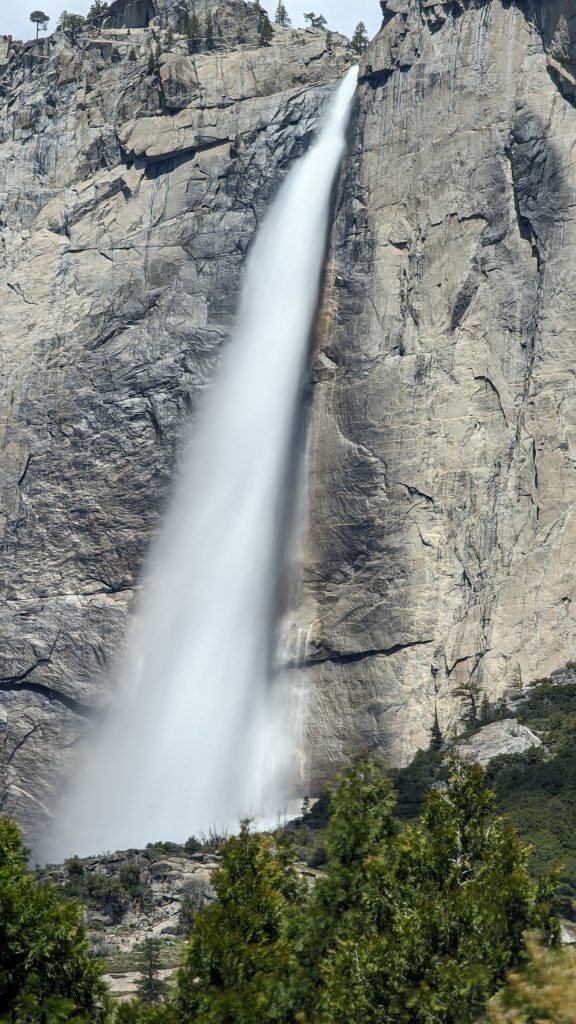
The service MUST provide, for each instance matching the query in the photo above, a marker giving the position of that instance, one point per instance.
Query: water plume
(196, 737)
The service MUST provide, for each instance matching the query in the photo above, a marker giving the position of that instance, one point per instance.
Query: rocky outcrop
(499, 739)
(443, 428)
(132, 180)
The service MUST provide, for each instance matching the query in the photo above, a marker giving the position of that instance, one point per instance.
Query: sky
(342, 16)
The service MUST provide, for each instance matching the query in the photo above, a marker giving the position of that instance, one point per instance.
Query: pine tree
(46, 970)
(265, 30)
(427, 920)
(70, 23)
(192, 27)
(98, 11)
(282, 17)
(151, 988)
(436, 738)
(209, 31)
(359, 40)
(41, 20)
(315, 20)
(469, 693)
(239, 956)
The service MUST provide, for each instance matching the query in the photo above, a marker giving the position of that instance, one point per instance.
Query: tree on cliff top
(46, 970)
(39, 19)
(359, 40)
(282, 17)
(70, 23)
(98, 10)
(315, 20)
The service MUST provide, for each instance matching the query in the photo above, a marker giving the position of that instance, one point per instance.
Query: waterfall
(196, 737)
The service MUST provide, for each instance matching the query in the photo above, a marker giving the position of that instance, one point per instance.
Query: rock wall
(130, 188)
(444, 411)
(443, 416)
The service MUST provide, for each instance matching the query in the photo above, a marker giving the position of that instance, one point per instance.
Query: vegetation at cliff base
(416, 924)
(536, 790)
(46, 971)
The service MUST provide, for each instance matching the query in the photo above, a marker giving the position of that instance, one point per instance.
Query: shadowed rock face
(131, 13)
(444, 411)
(129, 198)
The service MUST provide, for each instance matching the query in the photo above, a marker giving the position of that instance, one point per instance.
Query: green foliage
(282, 17)
(136, 1012)
(192, 845)
(265, 30)
(151, 988)
(542, 992)
(209, 31)
(535, 790)
(436, 738)
(470, 694)
(46, 971)
(192, 27)
(71, 22)
(416, 925)
(188, 910)
(315, 20)
(359, 40)
(132, 54)
(111, 895)
(412, 783)
(239, 960)
(428, 922)
(98, 10)
(41, 20)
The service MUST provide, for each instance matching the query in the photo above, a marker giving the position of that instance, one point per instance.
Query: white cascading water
(195, 739)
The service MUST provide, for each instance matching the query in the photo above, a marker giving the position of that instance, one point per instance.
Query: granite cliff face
(132, 181)
(443, 411)
(444, 422)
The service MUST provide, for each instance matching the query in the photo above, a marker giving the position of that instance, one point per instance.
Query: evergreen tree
(71, 23)
(151, 988)
(265, 30)
(192, 27)
(282, 17)
(46, 971)
(98, 11)
(359, 40)
(239, 958)
(315, 20)
(469, 693)
(347, 903)
(41, 20)
(436, 738)
(444, 920)
(485, 710)
(209, 31)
